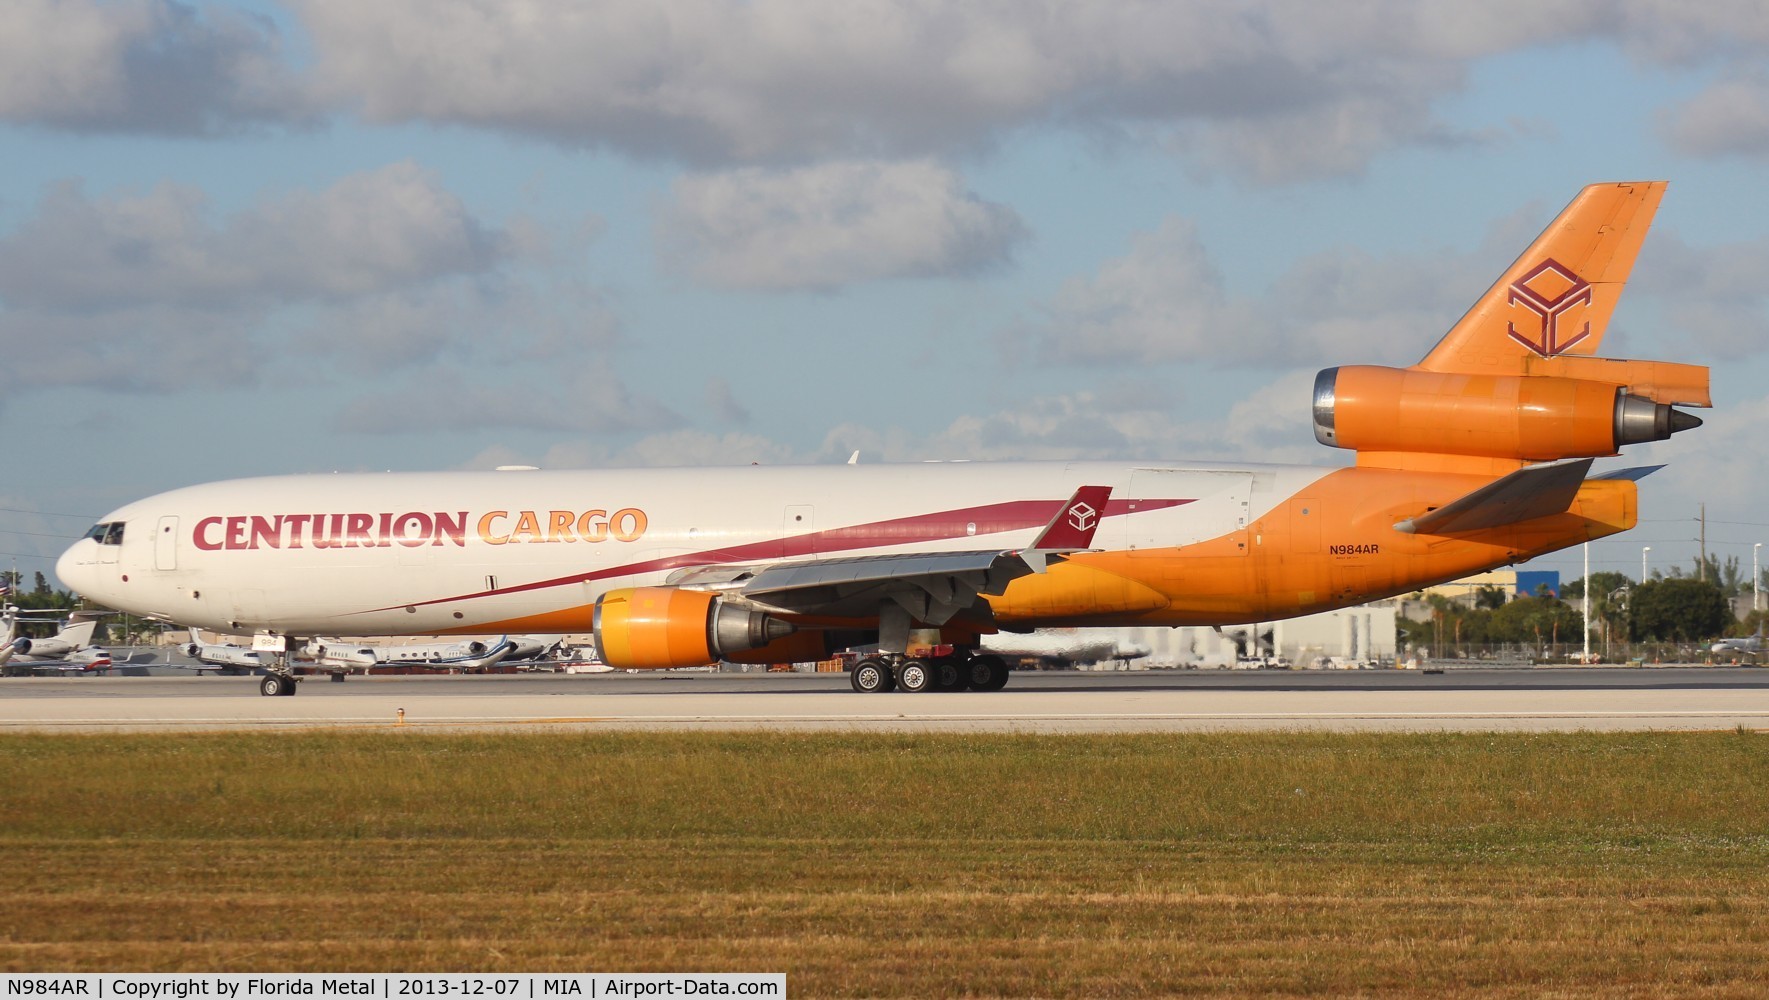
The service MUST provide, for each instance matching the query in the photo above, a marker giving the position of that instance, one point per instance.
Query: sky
(260, 238)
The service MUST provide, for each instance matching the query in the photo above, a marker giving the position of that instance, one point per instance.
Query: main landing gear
(884, 672)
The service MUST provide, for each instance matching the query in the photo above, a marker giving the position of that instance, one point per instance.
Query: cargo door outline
(1219, 503)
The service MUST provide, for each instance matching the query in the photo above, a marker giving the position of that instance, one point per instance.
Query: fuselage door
(166, 543)
(797, 527)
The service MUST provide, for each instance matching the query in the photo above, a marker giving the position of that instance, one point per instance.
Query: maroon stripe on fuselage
(1013, 515)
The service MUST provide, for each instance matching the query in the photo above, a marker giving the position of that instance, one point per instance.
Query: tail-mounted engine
(656, 627)
(1534, 418)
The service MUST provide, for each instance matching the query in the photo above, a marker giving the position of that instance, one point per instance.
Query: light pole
(1756, 580)
(1643, 552)
(1585, 606)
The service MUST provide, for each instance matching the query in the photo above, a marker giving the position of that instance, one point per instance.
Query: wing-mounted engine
(1526, 417)
(658, 627)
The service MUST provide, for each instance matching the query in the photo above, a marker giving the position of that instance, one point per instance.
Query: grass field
(914, 866)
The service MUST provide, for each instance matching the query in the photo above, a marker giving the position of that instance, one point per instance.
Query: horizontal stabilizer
(1531, 492)
(1633, 475)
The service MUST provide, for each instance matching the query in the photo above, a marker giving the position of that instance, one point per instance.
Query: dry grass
(1327, 865)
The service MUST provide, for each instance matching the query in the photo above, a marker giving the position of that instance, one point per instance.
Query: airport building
(1346, 637)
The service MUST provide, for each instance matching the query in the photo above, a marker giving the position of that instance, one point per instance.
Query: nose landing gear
(275, 684)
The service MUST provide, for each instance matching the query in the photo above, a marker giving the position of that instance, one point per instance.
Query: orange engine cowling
(657, 627)
(1535, 418)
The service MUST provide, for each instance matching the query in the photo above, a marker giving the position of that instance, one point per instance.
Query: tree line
(1673, 608)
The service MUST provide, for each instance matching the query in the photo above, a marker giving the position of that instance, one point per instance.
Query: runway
(1527, 699)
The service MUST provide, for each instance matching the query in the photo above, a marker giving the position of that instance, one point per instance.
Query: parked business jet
(1476, 457)
(1750, 645)
(464, 656)
(67, 651)
(225, 655)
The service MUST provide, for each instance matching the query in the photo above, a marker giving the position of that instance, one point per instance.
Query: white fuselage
(428, 553)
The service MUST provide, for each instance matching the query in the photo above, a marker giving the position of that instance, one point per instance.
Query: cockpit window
(107, 533)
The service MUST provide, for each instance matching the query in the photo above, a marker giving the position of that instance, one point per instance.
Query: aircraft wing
(1530, 492)
(933, 586)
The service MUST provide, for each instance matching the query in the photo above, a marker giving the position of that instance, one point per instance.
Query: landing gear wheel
(915, 676)
(871, 676)
(948, 674)
(276, 685)
(986, 673)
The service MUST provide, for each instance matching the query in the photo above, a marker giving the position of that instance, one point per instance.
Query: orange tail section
(1557, 298)
(1515, 382)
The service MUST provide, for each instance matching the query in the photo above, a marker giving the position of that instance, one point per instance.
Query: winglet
(1633, 475)
(1071, 529)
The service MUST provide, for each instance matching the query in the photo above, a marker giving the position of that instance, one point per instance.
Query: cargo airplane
(1476, 457)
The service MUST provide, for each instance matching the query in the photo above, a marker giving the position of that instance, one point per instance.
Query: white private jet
(1066, 645)
(1750, 645)
(67, 651)
(467, 657)
(226, 656)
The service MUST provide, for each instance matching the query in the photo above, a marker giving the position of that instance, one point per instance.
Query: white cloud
(1730, 117)
(370, 232)
(681, 447)
(1269, 90)
(142, 66)
(1163, 301)
(832, 224)
(1118, 421)
(1283, 87)
(385, 267)
(1714, 295)
(594, 401)
(1715, 464)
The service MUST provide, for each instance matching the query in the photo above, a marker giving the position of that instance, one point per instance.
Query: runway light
(400, 718)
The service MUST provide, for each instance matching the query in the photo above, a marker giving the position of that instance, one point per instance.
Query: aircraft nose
(75, 568)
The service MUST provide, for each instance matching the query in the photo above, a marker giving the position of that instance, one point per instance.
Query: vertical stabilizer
(1557, 298)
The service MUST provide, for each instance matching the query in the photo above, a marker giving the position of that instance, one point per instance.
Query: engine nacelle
(799, 647)
(1534, 418)
(21, 646)
(657, 627)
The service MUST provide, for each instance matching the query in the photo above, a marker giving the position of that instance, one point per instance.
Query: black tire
(870, 676)
(948, 674)
(288, 686)
(270, 686)
(986, 673)
(915, 676)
